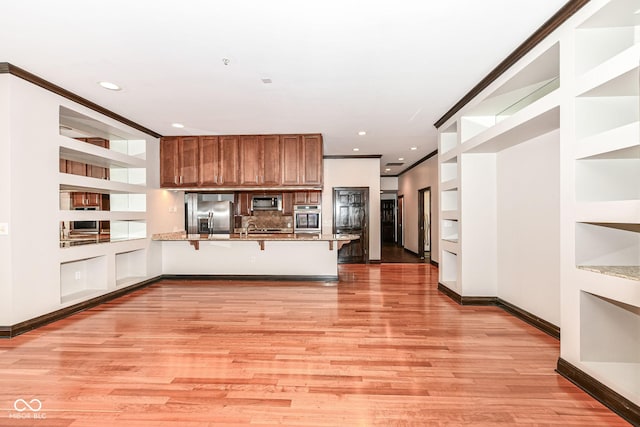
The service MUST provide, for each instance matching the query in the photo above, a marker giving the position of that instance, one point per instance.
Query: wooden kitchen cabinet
(83, 200)
(307, 198)
(229, 165)
(209, 167)
(291, 146)
(243, 203)
(287, 203)
(240, 161)
(311, 162)
(301, 160)
(219, 161)
(260, 160)
(179, 161)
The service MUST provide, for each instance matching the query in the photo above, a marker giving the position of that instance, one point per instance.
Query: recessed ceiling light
(637, 12)
(362, 133)
(177, 125)
(387, 170)
(356, 149)
(109, 85)
(401, 158)
(414, 148)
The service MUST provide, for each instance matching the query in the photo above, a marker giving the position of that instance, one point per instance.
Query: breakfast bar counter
(262, 255)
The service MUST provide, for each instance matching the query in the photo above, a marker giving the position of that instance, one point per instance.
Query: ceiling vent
(394, 164)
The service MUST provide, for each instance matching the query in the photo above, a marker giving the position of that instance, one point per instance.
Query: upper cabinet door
(189, 160)
(291, 154)
(271, 161)
(169, 162)
(311, 162)
(250, 159)
(209, 160)
(229, 161)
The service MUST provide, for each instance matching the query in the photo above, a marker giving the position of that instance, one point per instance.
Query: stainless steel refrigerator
(208, 213)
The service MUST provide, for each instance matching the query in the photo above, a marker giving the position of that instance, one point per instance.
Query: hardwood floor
(381, 347)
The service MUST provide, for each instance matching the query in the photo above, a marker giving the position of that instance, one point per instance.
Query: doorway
(351, 216)
(424, 223)
(400, 233)
(388, 221)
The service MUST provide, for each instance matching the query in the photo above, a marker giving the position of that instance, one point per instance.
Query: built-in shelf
(608, 179)
(449, 200)
(609, 342)
(82, 278)
(449, 170)
(69, 182)
(615, 143)
(131, 267)
(537, 119)
(450, 230)
(607, 244)
(614, 77)
(448, 139)
(449, 270)
(624, 211)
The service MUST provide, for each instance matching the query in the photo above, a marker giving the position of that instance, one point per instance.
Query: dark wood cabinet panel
(82, 199)
(229, 161)
(311, 163)
(271, 160)
(209, 170)
(307, 198)
(250, 154)
(260, 160)
(76, 168)
(243, 203)
(287, 203)
(169, 162)
(179, 161)
(189, 160)
(291, 146)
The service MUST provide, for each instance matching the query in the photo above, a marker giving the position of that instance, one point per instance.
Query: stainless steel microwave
(266, 202)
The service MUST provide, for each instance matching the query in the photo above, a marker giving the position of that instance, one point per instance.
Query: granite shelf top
(631, 272)
(182, 236)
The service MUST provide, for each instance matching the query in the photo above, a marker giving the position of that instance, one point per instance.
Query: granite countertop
(631, 272)
(182, 236)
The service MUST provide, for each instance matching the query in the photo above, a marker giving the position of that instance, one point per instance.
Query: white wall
(5, 202)
(354, 172)
(389, 183)
(422, 176)
(478, 230)
(528, 178)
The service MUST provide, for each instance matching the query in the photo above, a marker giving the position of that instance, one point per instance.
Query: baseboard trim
(545, 326)
(603, 394)
(434, 263)
(239, 277)
(535, 321)
(45, 319)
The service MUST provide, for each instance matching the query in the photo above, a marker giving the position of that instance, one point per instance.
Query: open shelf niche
(536, 80)
(82, 278)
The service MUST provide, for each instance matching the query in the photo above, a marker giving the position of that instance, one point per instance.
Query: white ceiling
(390, 68)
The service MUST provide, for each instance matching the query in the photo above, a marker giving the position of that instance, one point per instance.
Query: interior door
(351, 216)
(400, 234)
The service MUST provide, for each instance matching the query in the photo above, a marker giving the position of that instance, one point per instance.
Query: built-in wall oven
(307, 219)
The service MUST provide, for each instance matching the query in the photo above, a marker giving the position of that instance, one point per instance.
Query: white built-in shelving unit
(540, 178)
(602, 277)
(118, 257)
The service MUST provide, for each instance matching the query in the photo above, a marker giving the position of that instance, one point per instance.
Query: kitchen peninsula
(294, 256)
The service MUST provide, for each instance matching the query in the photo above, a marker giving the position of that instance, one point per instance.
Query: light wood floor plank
(380, 348)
